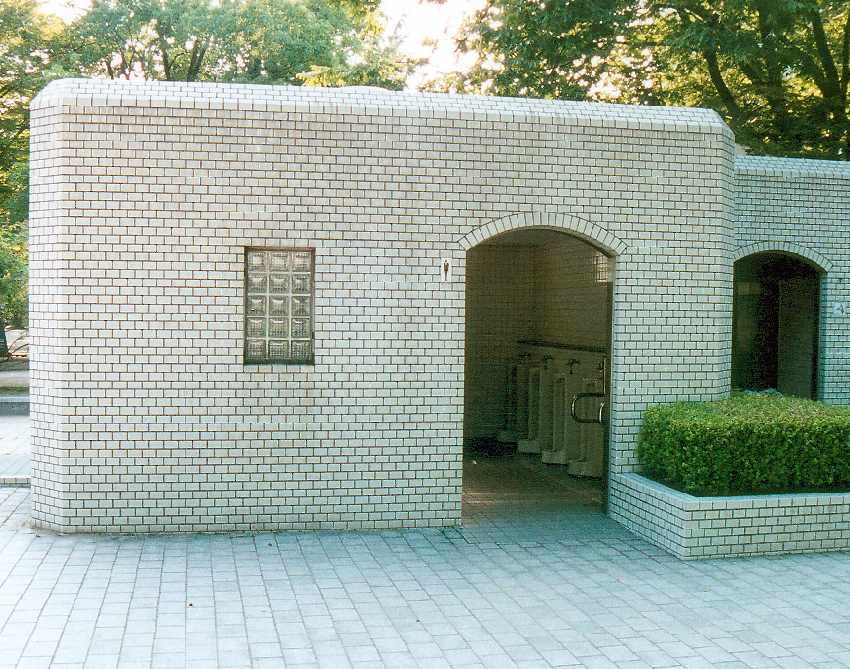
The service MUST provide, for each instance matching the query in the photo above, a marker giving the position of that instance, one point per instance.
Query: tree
(26, 44)
(544, 49)
(13, 285)
(376, 61)
(777, 70)
(261, 41)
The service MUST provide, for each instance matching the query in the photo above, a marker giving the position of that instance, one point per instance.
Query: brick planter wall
(700, 527)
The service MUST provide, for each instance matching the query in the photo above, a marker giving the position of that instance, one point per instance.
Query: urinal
(557, 454)
(531, 444)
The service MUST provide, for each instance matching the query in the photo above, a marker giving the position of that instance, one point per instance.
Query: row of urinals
(555, 408)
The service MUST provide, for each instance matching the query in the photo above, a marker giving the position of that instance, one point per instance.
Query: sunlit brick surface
(145, 196)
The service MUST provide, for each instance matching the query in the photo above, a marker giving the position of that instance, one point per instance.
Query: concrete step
(15, 481)
(14, 405)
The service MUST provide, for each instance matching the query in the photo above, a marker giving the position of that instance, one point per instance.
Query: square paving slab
(537, 577)
(14, 448)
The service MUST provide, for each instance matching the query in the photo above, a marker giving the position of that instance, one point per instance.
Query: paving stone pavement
(537, 577)
(14, 447)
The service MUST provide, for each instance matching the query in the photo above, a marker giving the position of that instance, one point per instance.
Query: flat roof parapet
(792, 167)
(373, 101)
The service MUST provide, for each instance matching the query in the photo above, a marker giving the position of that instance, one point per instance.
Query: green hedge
(749, 443)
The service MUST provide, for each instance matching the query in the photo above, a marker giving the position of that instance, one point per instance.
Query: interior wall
(754, 328)
(499, 312)
(775, 325)
(798, 336)
(571, 293)
(545, 286)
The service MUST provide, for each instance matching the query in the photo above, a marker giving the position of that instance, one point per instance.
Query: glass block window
(278, 305)
(601, 268)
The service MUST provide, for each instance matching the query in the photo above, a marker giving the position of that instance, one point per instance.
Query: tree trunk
(4, 345)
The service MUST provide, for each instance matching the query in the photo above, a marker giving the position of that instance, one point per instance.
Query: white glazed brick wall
(803, 207)
(144, 195)
(702, 527)
(794, 206)
(49, 288)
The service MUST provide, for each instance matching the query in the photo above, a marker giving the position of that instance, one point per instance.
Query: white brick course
(702, 527)
(145, 195)
(802, 207)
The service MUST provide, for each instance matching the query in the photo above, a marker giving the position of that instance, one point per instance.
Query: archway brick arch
(569, 223)
(792, 248)
(618, 446)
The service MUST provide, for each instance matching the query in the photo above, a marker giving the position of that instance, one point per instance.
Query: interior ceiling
(529, 237)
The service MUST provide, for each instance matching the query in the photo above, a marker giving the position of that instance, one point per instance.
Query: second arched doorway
(775, 327)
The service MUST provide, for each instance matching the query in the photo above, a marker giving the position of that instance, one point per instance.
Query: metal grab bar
(582, 396)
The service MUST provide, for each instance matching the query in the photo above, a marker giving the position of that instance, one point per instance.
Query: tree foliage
(26, 49)
(260, 41)
(27, 44)
(777, 70)
(13, 256)
(13, 281)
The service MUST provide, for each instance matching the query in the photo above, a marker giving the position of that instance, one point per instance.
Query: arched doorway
(776, 313)
(537, 370)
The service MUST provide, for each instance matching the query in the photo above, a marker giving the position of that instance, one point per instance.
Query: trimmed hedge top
(750, 443)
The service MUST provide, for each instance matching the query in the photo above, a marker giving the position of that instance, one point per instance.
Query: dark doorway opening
(536, 388)
(776, 307)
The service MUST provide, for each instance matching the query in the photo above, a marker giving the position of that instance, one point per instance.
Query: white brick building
(248, 303)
